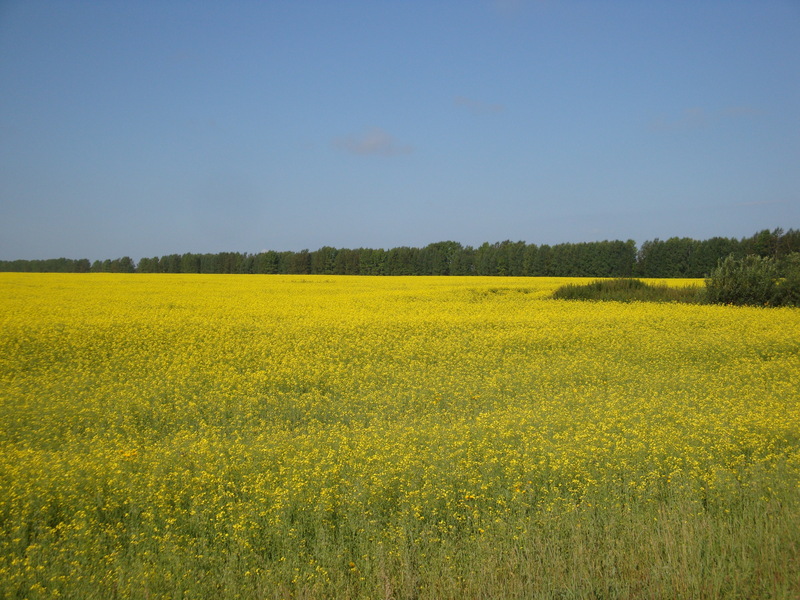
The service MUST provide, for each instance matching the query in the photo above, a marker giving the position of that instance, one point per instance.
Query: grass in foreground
(629, 290)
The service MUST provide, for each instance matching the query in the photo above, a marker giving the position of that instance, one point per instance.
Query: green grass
(629, 290)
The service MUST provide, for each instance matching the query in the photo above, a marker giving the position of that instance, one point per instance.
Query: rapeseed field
(201, 436)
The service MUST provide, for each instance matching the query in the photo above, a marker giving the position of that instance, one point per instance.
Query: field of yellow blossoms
(223, 436)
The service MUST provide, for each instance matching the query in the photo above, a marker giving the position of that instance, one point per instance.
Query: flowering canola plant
(184, 436)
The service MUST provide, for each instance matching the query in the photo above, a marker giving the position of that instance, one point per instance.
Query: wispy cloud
(374, 141)
(478, 107)
(698, 117)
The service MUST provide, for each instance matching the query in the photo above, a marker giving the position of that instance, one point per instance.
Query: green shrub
(628, 290)
(752, 280)
(787, 292)
(747, 281)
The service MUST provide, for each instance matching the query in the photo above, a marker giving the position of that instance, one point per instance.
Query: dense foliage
(675, 257)
(629, 290)
(755, 280)
(408, 438)
(50, 265)
(748, 281)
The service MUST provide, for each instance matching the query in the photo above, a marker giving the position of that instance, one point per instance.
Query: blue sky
(155, 127)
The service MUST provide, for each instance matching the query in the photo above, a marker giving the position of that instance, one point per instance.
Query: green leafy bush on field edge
(755, 281)
(629, 290)
(788, 292)
(749, 281)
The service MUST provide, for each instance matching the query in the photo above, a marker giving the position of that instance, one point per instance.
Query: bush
(751, 280)
(628, 290)
(787, 292)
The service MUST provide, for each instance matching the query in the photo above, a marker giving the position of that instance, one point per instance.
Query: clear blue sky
(147, 127)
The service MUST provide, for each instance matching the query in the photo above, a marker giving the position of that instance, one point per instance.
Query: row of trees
(442, 258)
(675, 257)
(685, 257)
(50, 265)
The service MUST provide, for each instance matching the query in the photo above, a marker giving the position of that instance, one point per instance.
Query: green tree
(266, 262)
(190, 263)
(437, 258)
(486, 259)
(543, 264)
(148, 265)
(463, 262)
(402, 261)
(171, 263)
(348, 262)
(787, 291)
(125, 265)
(765, 243)
(372, 261)
(709, 252)
(323, 260)
(300, 263)
(750, 280)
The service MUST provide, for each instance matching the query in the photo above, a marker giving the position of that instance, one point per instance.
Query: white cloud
(374, 141)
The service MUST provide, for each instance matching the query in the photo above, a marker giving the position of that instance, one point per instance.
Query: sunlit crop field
(202, 436)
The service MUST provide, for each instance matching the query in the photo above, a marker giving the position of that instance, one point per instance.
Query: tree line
(674, 257)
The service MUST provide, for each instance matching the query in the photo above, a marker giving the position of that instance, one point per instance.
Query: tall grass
(629, 290)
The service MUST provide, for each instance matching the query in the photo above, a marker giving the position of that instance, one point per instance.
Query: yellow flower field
(197, 436)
